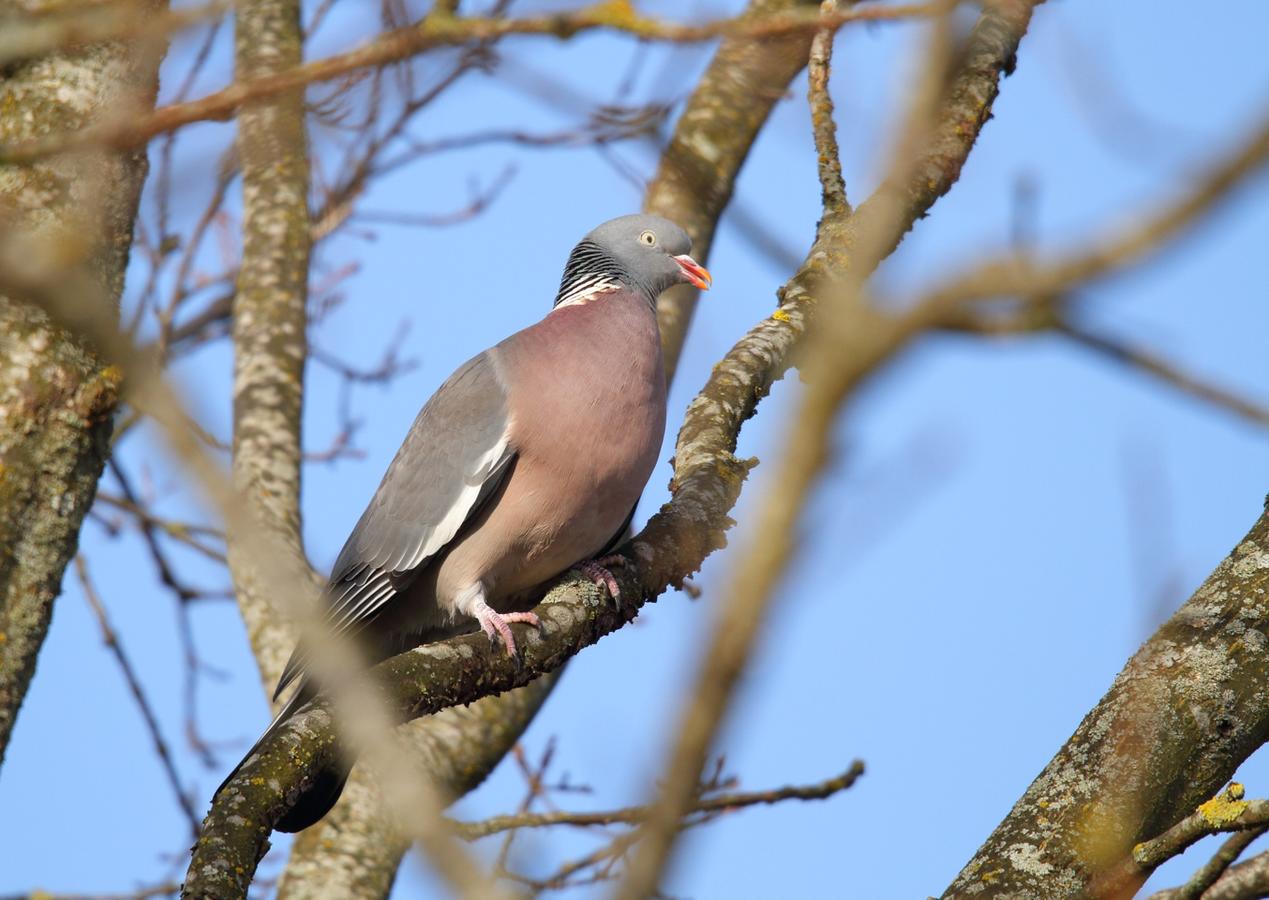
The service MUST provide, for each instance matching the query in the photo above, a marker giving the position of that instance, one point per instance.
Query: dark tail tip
(316, 802)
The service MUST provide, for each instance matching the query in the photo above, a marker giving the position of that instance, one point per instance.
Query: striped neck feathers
(590, 273)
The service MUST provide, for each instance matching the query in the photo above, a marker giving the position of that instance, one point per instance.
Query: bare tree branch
(633, 815)
(111, 639)
(697, 172)
(1167, 372)
(270, 316)
(356, 849)
(1188, 708)
(1212, 870)
(1245, 881)
(436, 31)
(56, 400)
(1039, 281)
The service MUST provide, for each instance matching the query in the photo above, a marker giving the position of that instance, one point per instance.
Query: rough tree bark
(355, 851)
(1188, 708)
(56, 401)
(270, 317)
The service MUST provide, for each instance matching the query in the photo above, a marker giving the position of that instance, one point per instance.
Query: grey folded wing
(454, 458)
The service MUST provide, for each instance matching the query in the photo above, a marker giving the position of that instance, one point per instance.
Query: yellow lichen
(781, 316)
(615, 12)
(1225, 808)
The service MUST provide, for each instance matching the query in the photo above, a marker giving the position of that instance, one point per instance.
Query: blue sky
(1004, 523)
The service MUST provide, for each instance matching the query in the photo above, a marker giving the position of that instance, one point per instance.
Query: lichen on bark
(270, 316)
(1186, 710)
(71, 213)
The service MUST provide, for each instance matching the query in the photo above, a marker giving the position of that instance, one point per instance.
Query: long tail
(322, 794)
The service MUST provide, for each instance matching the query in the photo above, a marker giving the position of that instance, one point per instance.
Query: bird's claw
(597, 570)
(498, 627)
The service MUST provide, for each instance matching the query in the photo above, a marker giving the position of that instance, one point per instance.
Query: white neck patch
(588, 289)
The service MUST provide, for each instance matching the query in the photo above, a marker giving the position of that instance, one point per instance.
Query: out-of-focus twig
(1040, 281)
(111, 639)
(1165, 371)
(184, 532)
(632, 815)
(91, 23)
(436, 31)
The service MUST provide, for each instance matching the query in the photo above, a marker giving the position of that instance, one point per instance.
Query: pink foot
(498, 625)
(597, 570)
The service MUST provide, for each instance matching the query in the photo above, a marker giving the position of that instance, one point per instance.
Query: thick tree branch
(354, 852)
(1188, 708)
(56, 400)
(270, 318)
(711, 140)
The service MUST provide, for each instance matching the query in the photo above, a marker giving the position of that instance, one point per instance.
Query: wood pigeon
(527, 461)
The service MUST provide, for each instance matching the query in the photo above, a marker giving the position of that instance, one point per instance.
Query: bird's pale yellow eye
(648, 238)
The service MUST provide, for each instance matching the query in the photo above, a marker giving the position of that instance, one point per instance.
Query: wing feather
(456, 454)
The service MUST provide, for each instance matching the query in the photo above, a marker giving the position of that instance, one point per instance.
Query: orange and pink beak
(694, 272)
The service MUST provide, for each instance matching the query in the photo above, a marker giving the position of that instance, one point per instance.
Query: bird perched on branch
(526, 462)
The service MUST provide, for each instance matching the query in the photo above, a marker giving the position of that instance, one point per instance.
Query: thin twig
(42, 35)
(1226, 812)
(1165, 370)
(442, 31)
(829, 163)
(634, 815)
(1039, 281)
(185, 532)
(111, 639)
(1208, 874)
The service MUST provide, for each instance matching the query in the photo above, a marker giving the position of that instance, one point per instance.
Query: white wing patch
(440, 534)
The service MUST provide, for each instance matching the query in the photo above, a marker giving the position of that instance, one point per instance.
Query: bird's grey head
(642, 252)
